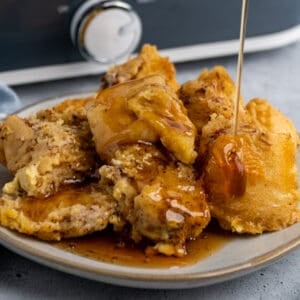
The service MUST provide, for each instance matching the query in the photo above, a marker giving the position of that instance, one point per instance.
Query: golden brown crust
(267, 141)
(70, 213)
(270, 201)
(46, 150)
(162, 200)
(211, 95)
(148, 62)
(269, 119)
(71, 111)
(145, 109)
(145, 130)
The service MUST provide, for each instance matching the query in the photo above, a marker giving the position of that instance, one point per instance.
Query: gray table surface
(274, 75)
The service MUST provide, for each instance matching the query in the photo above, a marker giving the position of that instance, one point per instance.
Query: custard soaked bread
(71, 212)
(160, 198)
(141, 128)
(147, 62)
(260, 160)
(146, 110)
(152, 159)
(47, 150)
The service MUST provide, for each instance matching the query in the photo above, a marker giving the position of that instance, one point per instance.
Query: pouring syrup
(227, 150)
(240, 65)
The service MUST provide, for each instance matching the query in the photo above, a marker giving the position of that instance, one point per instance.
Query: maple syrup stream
(240, 65)
(230, 153)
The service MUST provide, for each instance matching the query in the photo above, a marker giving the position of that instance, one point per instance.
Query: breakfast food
(133, 124)
(158, 196)
(71, 212)
(145, 110)
(251, 179)
(150, 159)
(46, 150)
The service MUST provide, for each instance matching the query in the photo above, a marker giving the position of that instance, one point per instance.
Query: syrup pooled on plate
(117, 248)
(108, 247)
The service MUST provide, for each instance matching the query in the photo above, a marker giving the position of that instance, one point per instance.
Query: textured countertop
(273, 75)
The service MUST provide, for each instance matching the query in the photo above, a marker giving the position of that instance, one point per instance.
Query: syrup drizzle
(240, 65)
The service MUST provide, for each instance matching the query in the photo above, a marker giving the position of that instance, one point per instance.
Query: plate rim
(12, 240)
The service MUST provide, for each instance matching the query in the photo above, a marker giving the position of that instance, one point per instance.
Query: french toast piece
(71, 212)
(146, 110)
(210, 96)
(47, 150)
(270, 199)
(160, 198)
(142, 131)
(250, 179)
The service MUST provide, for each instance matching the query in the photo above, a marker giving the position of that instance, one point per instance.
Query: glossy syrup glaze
(116, 248)
(110, 248)
(38, 209)
(227, 164)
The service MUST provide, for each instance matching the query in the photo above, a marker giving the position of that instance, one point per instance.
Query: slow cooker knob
(105, 31)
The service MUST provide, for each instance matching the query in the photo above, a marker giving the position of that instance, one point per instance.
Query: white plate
(241, 255)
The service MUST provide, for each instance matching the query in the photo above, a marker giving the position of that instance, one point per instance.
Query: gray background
(274, 75)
